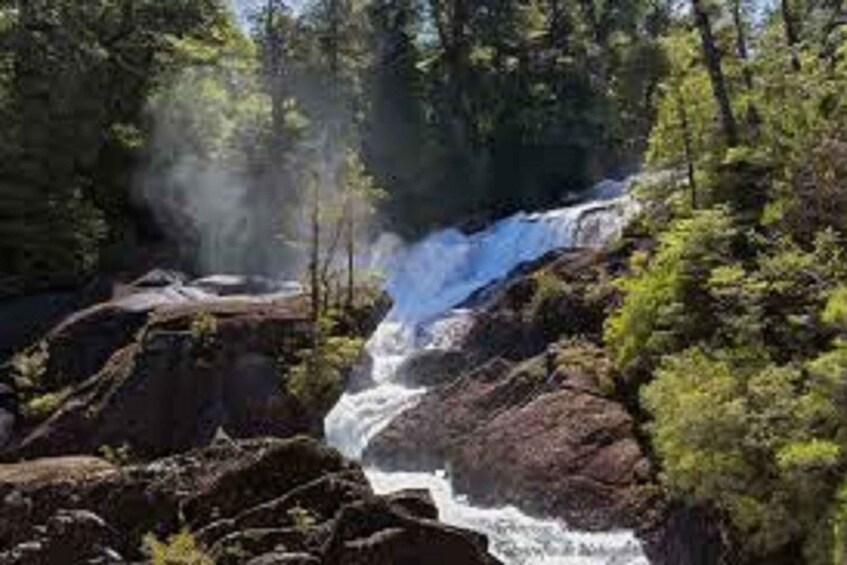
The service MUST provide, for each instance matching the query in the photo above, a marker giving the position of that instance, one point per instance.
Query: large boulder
(566, 293)
(193, 370)
(258, 501)
(27, 317)
(432, 367)
(537, 416)
(81, 343)
(8, 413)
(510, 434)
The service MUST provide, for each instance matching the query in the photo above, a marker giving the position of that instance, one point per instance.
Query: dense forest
(126, 123)
(458, 112)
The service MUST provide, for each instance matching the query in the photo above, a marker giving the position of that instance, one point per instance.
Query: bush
(302, 519)
(760, 442)
(120, 456)
(580, 356)
(543, 307)
(29, 367)
(664, 301)
(203, 330)
(180, 549)
(318, 380)
(41, 407)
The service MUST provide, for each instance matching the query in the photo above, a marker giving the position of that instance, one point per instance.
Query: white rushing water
(427, 282)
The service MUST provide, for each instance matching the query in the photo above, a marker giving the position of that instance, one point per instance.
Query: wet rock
(416, 502)
(80, 345)
(361, 376)
(235, 285)
(157, 278)
(518, 319)
(164, 366)
(176, 386)
(282, 558)
(421, 438)
(432, 367)
(564, 453)
(243, 545)
(70, 536)
(275, 473)
(256, 501)
(8, 413)
(372, 532)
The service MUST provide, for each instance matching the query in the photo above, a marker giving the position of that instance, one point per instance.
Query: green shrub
(28, 367)
(41, 407)
(318, 380)
(664, 301)
(835, 312)
(761, 442)
(585, 358)
(543, 306)
(121, 455)
(302, 518)
(203, 329)
(179, 549)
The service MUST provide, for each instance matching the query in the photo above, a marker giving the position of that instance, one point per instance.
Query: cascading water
(427, 282)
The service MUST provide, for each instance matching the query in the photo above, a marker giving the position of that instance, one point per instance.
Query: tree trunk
(741, 42)
(451, 25)
(688, 146)
(334, 41)
(314, 251)
(276, 81)
(351, 274)
(792, 35)
(712, 57)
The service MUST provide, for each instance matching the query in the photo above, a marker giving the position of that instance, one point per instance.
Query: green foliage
(682, 111)
(28, 367)
(179, 549)
(41, 406)
(120, 456)
(318, 380)
(74, 84)
(302, 518)
(549, 288)
(755, 439)
(835, 313)
(203, 329)
(664, 304)
(580, 356)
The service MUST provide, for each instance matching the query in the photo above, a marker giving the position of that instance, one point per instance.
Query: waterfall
(428, 281)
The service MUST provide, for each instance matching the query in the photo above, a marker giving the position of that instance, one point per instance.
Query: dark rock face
(8, 413)
(172, 389)
(510, 435)
(258, 501)
(530, 413)
(79, 346)
(518, 320)
(432, 367)
(689, 536)
(165, 364)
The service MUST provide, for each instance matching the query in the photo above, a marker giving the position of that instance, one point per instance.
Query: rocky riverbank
(257, 501)
(527, 410)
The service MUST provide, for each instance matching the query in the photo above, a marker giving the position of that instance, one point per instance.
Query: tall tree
(791, 27)
(712, 57)
(740, 23)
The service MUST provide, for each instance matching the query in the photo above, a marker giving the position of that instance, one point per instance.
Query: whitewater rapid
(428, 282)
